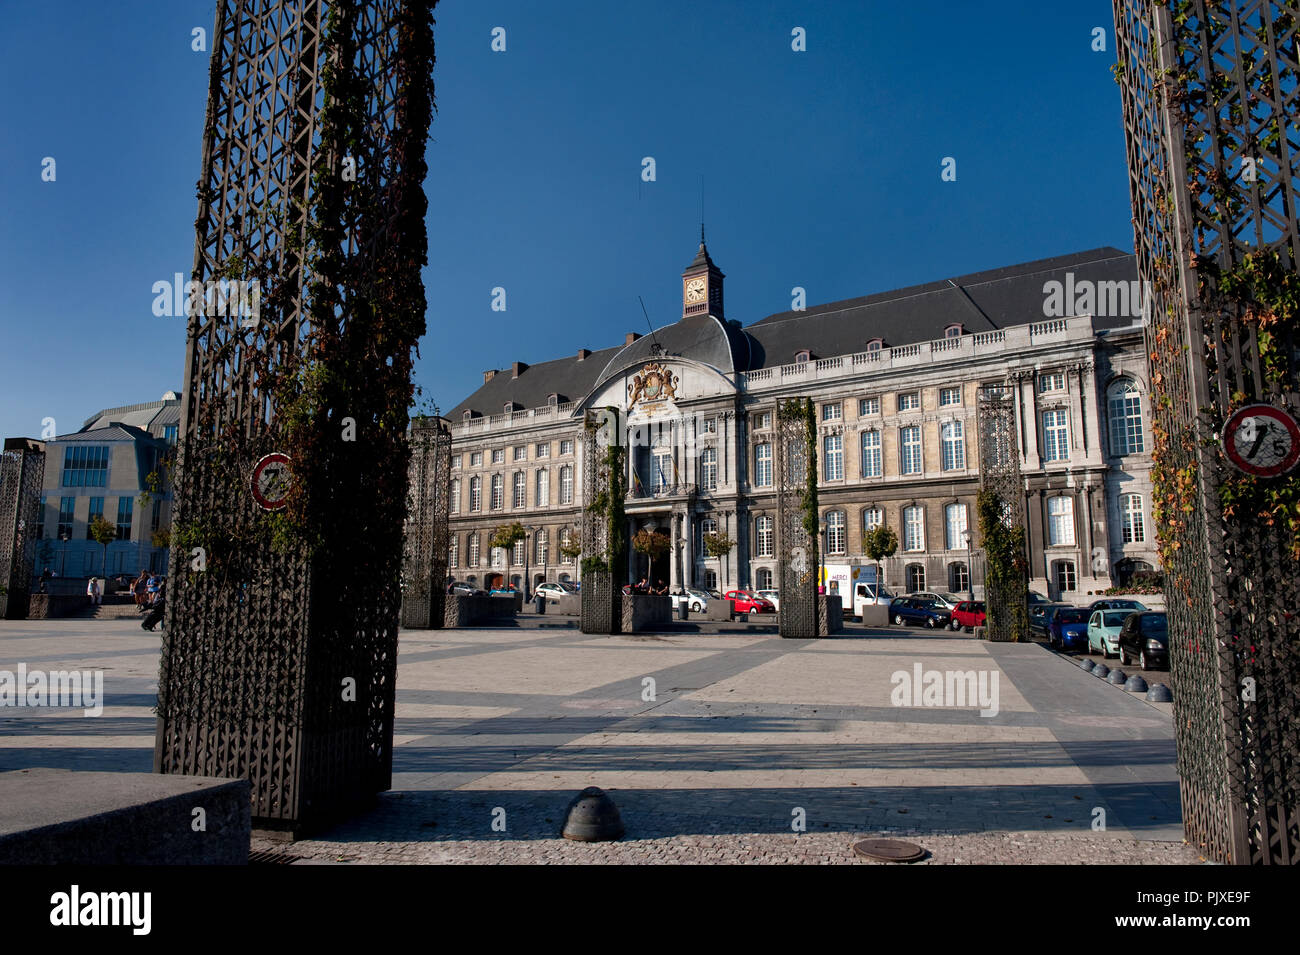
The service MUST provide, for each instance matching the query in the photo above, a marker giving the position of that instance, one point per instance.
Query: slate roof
(982, 301)
(114, 432)
(149, 416)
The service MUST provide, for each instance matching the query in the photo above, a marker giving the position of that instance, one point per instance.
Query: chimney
(631, 337)
(489, 375)
(583, 353)
(517, 369)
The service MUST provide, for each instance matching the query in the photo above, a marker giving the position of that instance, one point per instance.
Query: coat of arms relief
(653, 384)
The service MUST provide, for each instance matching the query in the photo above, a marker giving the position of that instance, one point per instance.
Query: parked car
(772, 596)
(1103, 631)
(1034, 597)
(554, 591)
(747, 602)
(906, 610)
(1040, 616)
(1067, 628)
(968, 615)
(460, 588)
(1145, 637)
(695, 600)
(946, 601)
(1113, 603)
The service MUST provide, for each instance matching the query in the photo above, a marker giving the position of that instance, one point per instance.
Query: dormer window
(953, 331)
(511, 406)
(466, 414)
(804, 355)
(875, 344)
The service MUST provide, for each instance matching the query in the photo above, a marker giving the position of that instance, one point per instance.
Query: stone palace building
(894, 377)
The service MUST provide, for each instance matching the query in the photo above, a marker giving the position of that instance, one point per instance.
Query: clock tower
(702, 285)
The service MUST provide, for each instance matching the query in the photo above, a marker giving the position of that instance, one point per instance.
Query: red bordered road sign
(1262, 440)
(270, 483)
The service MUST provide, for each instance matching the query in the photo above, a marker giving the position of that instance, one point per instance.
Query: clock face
(695, 290)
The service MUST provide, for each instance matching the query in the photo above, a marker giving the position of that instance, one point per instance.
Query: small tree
(652, 544)
(161, 537)
(506, 537)
(878, 543)
(719, 545)
(103, 532)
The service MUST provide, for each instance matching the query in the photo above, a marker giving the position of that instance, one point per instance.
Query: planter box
(875, 615)
(831, 618)
(569, 605)
(45, 606)
(717, 610)
(646, 612)
(464, 611)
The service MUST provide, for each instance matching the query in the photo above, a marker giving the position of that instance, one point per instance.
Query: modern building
(112, 467)
(895, 378)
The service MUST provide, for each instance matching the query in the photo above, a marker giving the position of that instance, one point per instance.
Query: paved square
(742, 736)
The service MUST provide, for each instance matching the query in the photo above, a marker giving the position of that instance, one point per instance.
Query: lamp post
(63, 553)
(530, 534)
(970, 566)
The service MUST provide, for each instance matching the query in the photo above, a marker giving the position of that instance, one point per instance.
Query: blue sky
(821, 169)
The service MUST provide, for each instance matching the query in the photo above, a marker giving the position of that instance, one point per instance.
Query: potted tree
(506, 537)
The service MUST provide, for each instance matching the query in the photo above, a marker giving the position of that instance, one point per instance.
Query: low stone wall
(875, 615)
(646, 611)
(831, 619)
(44, 606)
(570, 605)
(466, 611)
(61, 817)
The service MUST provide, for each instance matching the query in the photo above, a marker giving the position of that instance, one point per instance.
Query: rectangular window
(66, 506)
(1133, 523)
(455, 462)
(125, 508)
(910, 447)
(521, 453)
(836, 539)
(868, 406)
(498, 492)
(953, 445)
(872, 460)
(1066, 580)
(520, 497)
(476, 494)
(453, 505)
(40, 520)
(913, 528)
(955, 526)
(566, 446)
(473, 551)
(498, 455)
(949, 396)
(762, 421)
(476, 459)
(1060, 522)
(96, 510)
(170, 433)
(543, 450)
(566, 484)
(763, 465)
(833, 457)
(85, 466)
(453, 552)
(909, 401)
(708, 466)
(1056, 435)
(832, 412)
(764, 535)
(708, 426)
(1053, 381)
(542, 491)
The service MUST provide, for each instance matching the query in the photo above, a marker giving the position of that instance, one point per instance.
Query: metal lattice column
(1206, 95)
(424, 567)
(602, 607)
(797, 550)
(260, 645)
(1007, 618)
(22, 470)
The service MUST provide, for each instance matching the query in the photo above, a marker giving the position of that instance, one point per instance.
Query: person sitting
(92, 591)
(662, 589)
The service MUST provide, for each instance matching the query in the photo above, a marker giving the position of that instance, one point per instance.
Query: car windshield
(1156, 625)
(1114, 618)
(1072, 616)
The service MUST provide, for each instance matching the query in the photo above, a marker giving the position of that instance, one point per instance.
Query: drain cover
(888, 850)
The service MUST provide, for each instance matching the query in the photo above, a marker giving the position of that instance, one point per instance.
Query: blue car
(1067, 628)
(906, 610)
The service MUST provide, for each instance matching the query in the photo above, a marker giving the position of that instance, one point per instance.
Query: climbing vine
(1005, 565)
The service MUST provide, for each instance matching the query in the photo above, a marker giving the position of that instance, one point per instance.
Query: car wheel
(898, 620)
(1143, 660)
(1123, 657)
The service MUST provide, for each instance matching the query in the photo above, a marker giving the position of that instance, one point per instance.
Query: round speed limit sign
(270, 481)
(1262, 440)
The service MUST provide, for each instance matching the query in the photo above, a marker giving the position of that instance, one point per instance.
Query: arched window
(953, 331)
(566, 484)
(763, 577)
(476, 494)
(836, 539)
(953, 444)
(803, 355)
(1131, 520)
(958, 577)
(453, 551)
(543, 546)
(954, 525)
(1060, 521)
(763, 537)
(453, 505)
(875, 344)
(566, 540)
(915, 578)
(872, 517)
(1124, 412)
(914, 529)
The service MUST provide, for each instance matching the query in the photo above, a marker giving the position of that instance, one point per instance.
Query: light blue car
(1103, 631)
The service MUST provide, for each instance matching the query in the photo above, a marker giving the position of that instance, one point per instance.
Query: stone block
(467, 611)
(61, 817)
(646, 612)
(875, 615)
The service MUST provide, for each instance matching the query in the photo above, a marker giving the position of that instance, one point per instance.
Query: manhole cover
(888, 850)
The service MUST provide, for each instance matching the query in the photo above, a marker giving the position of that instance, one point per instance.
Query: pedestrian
(138, 588)
(92, 591)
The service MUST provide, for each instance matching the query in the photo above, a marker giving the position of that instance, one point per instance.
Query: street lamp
(63, 554)
(529, 535)
(970, 566)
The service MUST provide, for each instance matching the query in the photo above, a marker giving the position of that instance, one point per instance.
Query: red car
(749, 603)
(968, 615)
